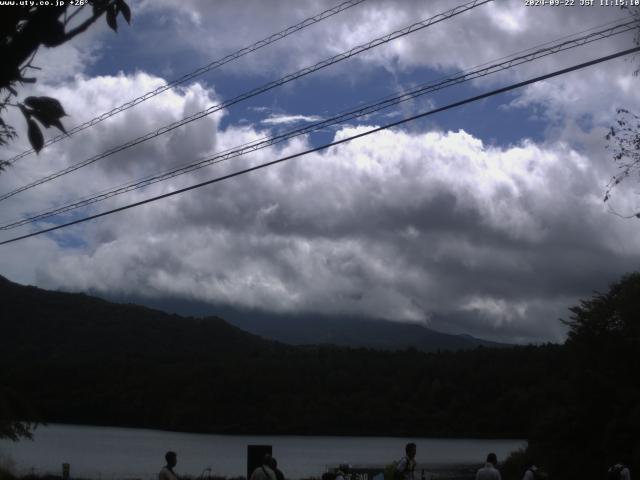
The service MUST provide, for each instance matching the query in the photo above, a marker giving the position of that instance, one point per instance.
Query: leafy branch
(624, 136)
(25, 29)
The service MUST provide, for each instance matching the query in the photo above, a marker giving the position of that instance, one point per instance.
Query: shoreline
(279, 435)
(444, 472)
(105, 453)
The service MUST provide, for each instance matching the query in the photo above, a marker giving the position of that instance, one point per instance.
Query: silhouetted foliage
(13, 411)
(596, 420)
(24, 30)
(624, 135)
(624, 143)
(515, 466)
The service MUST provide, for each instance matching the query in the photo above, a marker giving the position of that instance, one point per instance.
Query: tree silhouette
(624, 136)
(13, 414)
(594, 423)
(610, 316)
(24, 29)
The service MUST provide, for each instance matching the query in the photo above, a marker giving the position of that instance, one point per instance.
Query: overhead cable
(332, 144)
(269, 86)
(196, 73)
(334, 120)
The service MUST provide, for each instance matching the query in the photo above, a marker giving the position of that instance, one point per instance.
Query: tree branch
(80, 28)
(78, 10)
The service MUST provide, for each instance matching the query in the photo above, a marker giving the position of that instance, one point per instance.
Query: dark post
(255, 454)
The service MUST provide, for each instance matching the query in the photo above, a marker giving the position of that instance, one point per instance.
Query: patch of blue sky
(325, 93)
(67, 238)
(324, 96)
(318, 94)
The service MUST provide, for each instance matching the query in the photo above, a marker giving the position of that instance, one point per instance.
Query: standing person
(618, 472)
(264, 471)
(407, 465)
(531, 473)
(167, 472)
(489, 471)
(274, 466)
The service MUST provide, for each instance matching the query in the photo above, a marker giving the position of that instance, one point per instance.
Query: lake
(125, 453)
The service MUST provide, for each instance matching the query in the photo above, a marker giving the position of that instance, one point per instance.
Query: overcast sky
(487, 219)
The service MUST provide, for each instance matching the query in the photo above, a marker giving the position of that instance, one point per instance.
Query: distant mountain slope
(49, 321)
(349, 332)
(305, 329)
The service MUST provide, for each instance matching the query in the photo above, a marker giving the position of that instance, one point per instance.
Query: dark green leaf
(35, 135)
(58, 124)
(51, 106)
(25, 111)
(53, 33)
(47, 111)
(124, 9)
(112, 12)
(48, 121)
(41, 117)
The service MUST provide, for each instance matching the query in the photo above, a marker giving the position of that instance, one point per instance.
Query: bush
(7, 468)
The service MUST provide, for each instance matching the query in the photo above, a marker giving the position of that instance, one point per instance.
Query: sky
(486, 219)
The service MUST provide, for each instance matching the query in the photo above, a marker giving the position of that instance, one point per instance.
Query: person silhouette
(489, 471)
(167, 472)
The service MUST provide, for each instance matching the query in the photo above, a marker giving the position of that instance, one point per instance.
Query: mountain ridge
(74, 358)
(295, 330)
(309, 329)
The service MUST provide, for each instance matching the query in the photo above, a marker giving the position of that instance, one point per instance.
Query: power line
(625, 18)
(384, 103)
(269, 86)
(112, 191)
(196, 73)
(332, 144)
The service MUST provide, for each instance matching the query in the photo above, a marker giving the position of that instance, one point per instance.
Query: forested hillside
(84, 360)
(73, 358)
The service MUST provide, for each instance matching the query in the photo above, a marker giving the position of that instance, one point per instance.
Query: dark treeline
(78, 359)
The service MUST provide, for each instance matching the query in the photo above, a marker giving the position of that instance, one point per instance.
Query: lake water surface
(106, 452)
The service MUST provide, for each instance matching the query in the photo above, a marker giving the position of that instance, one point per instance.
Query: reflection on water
(105, 452)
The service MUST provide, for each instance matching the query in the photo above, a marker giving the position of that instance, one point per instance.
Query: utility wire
(337, 119)
(332, 144)
(621, 21)
(196, 73)
(269, 86)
